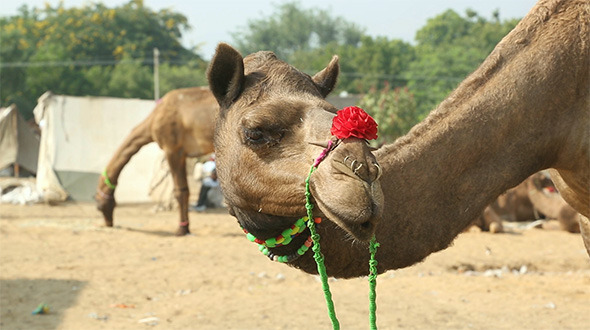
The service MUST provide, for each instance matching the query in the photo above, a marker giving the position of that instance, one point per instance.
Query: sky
(213, 21)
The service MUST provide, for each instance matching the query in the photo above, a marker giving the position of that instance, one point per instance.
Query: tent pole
(156, 74)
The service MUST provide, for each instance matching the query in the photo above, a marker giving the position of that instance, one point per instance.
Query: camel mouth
(362, 232)
(262, 225)
(360, 224)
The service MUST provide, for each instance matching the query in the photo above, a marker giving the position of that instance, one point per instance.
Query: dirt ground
(138, 275)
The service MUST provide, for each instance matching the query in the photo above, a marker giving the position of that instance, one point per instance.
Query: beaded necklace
(283, 239)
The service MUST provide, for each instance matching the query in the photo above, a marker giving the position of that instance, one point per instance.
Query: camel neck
(506, 121)
(439, 178)
(473, 147)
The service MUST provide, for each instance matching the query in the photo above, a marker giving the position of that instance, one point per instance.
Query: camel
(551, 204)
(512, 205)
(182, 124)
(533, 199)
(489, 220)
(524, 109)
(516, 205)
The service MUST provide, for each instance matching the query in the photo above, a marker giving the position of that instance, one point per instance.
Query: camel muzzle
(353, 157)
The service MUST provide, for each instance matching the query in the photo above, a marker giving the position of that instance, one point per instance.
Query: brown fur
(182, 124)
(526, 108)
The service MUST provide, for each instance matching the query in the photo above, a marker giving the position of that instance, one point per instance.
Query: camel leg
(105, 190)
(585, 230)
(492, 220)
(177, 164)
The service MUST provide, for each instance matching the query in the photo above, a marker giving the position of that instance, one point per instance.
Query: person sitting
(208, 182)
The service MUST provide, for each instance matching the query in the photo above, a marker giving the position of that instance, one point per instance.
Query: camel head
(273, 122)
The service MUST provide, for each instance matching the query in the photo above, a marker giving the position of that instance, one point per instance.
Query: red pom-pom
(354, 121)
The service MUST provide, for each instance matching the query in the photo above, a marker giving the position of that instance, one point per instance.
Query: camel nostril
(366, 225)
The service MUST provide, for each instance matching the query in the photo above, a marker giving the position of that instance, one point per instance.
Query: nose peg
(366, 170)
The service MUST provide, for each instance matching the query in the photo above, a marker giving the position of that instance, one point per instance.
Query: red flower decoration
(354, 121)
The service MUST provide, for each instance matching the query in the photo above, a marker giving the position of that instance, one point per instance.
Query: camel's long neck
(436, 187)
(508, 120)
(437, 180)
(511, 118)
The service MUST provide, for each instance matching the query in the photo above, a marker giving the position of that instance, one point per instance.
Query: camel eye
(258, 137)
(254, 136)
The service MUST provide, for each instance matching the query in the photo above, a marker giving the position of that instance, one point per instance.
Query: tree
(84, 51)
(449, 47)
(130, 79)
(377, 62)
(373, 62)
(291, 30)
(175, 76)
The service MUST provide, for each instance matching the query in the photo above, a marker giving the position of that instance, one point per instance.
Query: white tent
(79, 135)
(19, 144)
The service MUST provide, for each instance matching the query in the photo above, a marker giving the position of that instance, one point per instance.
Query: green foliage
(96, 50)
(381, 61)
(290, 30)
(449, 47)
(130, 79)
(175, 76)
(88, 50)
(373, 62)
(394, 110)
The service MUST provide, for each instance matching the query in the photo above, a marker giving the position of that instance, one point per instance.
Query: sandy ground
(138, 275)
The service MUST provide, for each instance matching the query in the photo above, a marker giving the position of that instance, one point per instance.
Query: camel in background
(488, 220)
(512, 205)
(516, 205)
(533, 199)
(550, 203)
(182, 124)
(526, 108)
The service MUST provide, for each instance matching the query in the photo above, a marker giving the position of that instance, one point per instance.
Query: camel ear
(326, 79)
(226, 74)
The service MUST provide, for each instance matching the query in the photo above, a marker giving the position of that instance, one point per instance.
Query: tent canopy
(79, 135)
(19, 142)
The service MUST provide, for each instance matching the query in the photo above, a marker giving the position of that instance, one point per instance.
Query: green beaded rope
(286, 258)
(373, 245)
(284, 238)
(318, 256)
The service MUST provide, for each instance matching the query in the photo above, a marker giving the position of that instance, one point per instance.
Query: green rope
(319, 258)
(107, 181)
(317, 254)
(373, 245)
